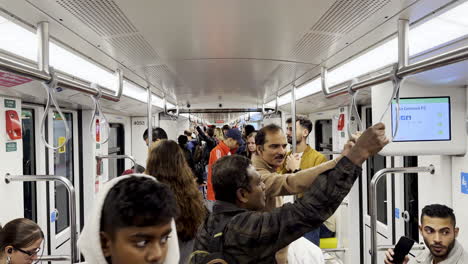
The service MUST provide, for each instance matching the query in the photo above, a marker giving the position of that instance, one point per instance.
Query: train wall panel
(11, 157)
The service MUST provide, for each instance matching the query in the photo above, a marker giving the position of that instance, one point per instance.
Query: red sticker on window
(10, 80)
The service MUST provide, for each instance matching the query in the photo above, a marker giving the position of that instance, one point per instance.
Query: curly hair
(167, 163)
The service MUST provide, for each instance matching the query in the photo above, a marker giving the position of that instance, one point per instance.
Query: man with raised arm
(250, 236)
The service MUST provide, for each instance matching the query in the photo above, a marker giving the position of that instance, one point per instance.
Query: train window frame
(30, 188)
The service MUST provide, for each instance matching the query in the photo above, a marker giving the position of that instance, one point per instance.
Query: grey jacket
(456, 256)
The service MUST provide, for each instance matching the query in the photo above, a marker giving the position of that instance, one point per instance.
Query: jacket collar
(224, 147)
(259, 163)
(221, 207)
(453, 256)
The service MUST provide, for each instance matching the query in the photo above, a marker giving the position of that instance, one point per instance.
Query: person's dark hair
(182, 140)
(303, 121)
(19, 233)
(249, 129)
(210, 132)
(226, 127)
(439, 211)
(230, 174)
(187, 133)
(158, 133)
(167, 163)
(261, 134)
(137, 201)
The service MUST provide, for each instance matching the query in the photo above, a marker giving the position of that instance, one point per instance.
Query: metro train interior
(81, 80)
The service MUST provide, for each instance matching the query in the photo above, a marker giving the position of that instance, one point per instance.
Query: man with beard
(271, 148)
(438, 228)
(309, 158)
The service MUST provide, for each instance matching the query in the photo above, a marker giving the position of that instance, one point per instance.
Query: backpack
(198, 153)
(215, 254)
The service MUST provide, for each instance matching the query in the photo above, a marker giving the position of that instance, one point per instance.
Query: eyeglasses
(29, 253)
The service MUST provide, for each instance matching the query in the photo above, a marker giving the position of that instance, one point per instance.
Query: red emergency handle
(341, 122)
(13, 125)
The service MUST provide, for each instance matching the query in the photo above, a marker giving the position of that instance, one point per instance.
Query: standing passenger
(158, 135)
(226, 147)
(20, 242)
(309, 158)
(251, 147)
(167, 164)
(132, 223)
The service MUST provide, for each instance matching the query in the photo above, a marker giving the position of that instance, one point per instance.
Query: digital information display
(422, 119)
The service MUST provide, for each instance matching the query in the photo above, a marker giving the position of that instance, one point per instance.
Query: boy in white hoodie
(132, 222)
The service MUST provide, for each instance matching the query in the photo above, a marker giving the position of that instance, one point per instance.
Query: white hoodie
(89, 242)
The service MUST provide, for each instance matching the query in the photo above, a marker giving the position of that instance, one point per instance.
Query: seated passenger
(132, 223)
(20, 242)
(438, 228)
(167, 164)
(239, 232)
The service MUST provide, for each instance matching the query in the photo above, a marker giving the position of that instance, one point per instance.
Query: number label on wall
(139, 123)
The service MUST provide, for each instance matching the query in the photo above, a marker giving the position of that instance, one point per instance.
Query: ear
(105, 244)
(456, 231)
(241, 195)
(305, 133)
(260, 149)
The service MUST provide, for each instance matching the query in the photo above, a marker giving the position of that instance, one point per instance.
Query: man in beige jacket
(271, 151)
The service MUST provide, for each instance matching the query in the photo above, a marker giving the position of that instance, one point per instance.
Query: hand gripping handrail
(373, 201)
(167, 111)
(101, 157)
(51, 88)
(71, 198)
(97, 110)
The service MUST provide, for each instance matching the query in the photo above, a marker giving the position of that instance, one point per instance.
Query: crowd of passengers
(163, 215)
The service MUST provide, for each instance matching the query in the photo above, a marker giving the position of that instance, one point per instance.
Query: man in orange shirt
(233, 139)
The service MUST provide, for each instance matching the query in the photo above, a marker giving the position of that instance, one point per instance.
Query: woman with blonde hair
(168, 165)
(219, 136)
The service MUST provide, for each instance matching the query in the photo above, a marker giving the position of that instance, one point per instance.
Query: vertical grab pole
(42, 33)
(293, 115)
(403, 43)
(150, 118)
(373, 201)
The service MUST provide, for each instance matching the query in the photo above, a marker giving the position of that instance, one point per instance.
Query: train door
(62, 162)
(384, 198)
(116, 147)
(29, 162)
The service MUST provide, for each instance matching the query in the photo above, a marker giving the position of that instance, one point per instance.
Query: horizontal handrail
(54, 258)
(329, 250)
(71, 197)
(98, 157)
(415, 247)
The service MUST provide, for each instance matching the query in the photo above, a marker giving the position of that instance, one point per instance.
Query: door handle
(406, 216)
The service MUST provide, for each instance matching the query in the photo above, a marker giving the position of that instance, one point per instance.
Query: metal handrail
(415, 247)
(54, 258)
(41, 72)
(100, 157)
(404, 70)
(71, 197)
(329, 250)
(373, 200)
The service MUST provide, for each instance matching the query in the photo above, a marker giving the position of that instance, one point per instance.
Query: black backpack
(215, 254)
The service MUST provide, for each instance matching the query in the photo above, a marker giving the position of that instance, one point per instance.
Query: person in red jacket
(233, 139)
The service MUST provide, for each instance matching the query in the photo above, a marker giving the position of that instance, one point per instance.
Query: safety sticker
(10, 80)
(11, 147)
(464, 182)
(63, 149)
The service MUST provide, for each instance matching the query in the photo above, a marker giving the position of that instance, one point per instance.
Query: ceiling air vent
(339, 20)
(137, 50)
(104, 16)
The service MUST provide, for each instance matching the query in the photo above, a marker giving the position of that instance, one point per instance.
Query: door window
(116, 147)
(63, 166)
(374, 164)
(411, 199)
(29, 163)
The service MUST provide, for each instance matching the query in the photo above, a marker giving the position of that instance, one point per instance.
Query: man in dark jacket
(252, 236)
